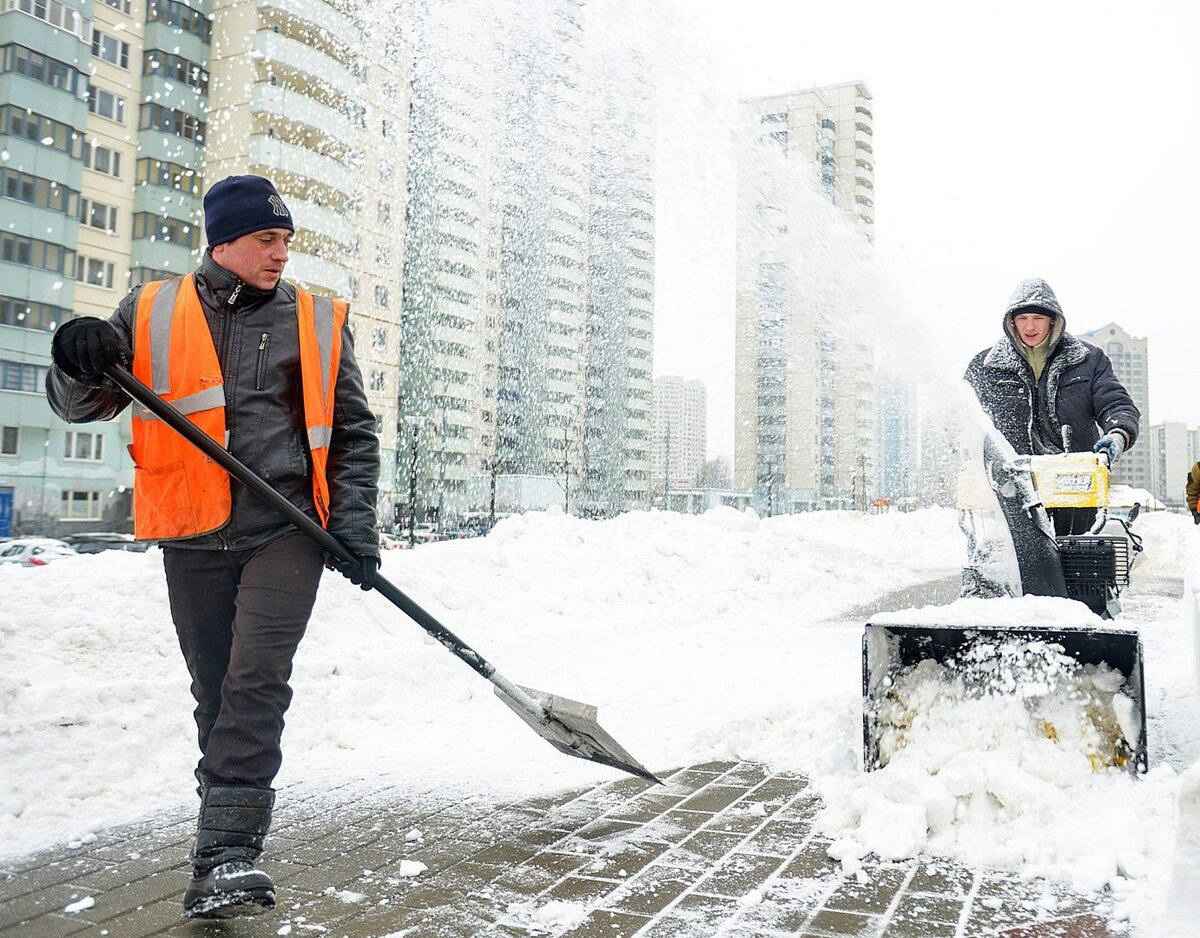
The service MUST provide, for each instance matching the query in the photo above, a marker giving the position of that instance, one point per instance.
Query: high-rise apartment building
(67, 132)
(117, 116)
(529, 264)
(314, 95)
(896, 437)
(1131, 365)
(804, 383)
(679, 446)
(1174, 448)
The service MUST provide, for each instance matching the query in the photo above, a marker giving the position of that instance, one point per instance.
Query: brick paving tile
(836, 922)
(606, 924)
(651, 892)
(738, 874)
(874, 896)
(1079, 926)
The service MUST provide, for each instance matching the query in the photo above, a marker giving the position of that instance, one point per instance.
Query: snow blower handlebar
(567, 725)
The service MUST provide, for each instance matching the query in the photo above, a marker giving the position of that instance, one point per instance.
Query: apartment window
(10, 441)
(383, 255)
(30, 315)
(80, 505)
(378, 338)
(178, 14)
(110, 49)
(37, 191)
(152, 172)
(102, 159)
(165, 228)
(378, 381)
(353, 290)
(779, 117)
(139, 275)
(30, 252)
(98, 215)
(123, 5)
(49, 133)
(21, 376)
(381, 295)
(106, 104)
(96, 272)
(53, 12)
(81, 444)
(169, 65)
(157, 117)
(52, 72)
(383, 214)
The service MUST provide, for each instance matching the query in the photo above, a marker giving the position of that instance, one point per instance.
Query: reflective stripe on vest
(320, 320)
(179, 492)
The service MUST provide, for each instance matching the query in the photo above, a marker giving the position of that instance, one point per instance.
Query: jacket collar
(221, 284)
(1069, 352)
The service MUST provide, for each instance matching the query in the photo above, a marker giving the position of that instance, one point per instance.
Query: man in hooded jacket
(1047, 391)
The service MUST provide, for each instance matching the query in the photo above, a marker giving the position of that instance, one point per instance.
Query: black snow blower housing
(1091, 568)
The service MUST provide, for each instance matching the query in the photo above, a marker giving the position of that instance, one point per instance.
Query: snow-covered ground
(719, 636)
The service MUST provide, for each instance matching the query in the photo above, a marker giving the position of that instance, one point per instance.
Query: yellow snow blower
(1091, 568)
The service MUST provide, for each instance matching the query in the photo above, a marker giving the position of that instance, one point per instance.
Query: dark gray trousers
(240, 616)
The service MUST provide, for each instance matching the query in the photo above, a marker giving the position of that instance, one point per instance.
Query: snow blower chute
(1026, 658)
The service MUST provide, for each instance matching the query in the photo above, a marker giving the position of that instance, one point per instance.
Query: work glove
(86, 348)
(1111, 445)
(1196, 516)
(361, 571)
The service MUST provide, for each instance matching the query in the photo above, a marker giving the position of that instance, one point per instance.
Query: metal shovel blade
(570, 727)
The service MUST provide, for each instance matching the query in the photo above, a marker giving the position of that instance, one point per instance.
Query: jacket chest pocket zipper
(260, 374)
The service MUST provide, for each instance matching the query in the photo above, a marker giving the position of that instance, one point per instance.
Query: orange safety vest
(178, 491)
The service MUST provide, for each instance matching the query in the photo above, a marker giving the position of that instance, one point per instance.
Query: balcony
(321, 219)
(273, 153)
(310, 271)
(275, 47)
(864, 141)
(292, 105)
(347, 33)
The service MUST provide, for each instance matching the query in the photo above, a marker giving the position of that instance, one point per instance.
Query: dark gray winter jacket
(1078, 388)
(257, 342)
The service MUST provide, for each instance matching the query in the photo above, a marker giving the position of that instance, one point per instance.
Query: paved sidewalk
(721, 849)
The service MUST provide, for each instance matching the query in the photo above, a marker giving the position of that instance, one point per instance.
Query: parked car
(35, 551)
(92, 542)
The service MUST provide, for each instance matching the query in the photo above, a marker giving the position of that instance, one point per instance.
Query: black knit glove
(361, 571)
(86, 348)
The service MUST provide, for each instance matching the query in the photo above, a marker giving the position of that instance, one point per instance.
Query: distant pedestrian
(1050, 392)
(267, 370)
(1193, 492)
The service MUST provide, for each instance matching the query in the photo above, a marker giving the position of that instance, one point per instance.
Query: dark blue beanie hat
(238, 205)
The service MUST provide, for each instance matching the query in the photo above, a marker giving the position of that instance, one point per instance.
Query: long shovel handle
(330, 544)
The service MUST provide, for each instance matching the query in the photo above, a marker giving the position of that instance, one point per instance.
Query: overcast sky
(1051, 139)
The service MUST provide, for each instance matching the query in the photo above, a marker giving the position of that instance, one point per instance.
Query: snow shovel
(569, 726)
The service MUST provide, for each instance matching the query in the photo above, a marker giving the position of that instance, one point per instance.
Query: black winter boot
(234, 820)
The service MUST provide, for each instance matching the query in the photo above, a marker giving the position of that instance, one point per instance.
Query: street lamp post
(414, 427)
(493, 466)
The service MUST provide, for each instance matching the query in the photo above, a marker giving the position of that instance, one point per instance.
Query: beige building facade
(1131, 364)
(804, 383)
(315, 97)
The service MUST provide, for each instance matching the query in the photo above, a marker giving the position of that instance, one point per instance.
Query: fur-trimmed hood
(1034, 296)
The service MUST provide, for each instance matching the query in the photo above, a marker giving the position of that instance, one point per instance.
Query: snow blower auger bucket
(568, 726)
(1098, 672)
(1082, 686)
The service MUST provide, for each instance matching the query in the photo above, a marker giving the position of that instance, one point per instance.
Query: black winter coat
(257, 342)
(1078, 389)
